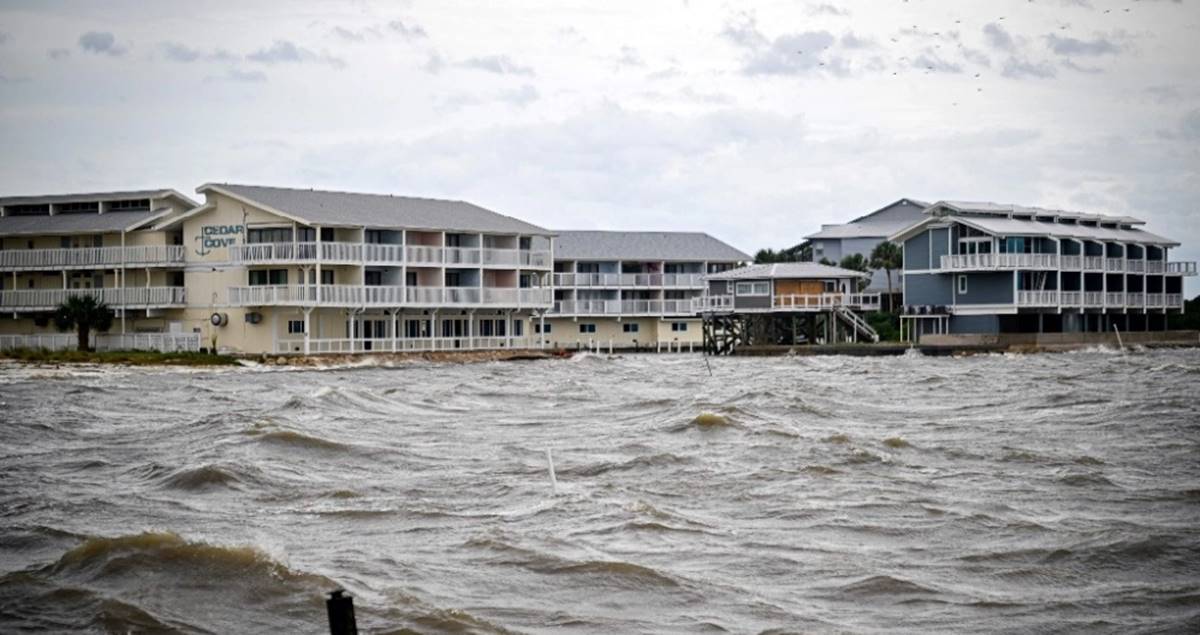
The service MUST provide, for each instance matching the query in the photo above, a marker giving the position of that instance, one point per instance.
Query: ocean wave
(884, 585)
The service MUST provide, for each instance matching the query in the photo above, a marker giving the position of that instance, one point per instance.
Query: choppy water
(997, 493)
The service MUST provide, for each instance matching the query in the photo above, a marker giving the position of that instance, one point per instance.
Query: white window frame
(630, 327)
(679, 327)
(587, 328)
(753, 288)
(962, 285)
(291, 327)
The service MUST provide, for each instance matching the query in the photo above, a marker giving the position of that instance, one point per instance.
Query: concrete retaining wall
(1062, 339)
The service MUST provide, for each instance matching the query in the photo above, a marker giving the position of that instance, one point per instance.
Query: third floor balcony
(348, 253)
(630, 280)
(91, 257)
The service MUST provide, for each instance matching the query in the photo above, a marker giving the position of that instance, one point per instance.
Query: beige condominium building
(632, 289)
(100, 244)
(273, 270)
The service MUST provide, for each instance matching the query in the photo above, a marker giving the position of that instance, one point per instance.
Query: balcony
(316, 346)
(91, 257)
(1093, 263)
(1155, 266)
(631, 280)
(1072, 263)
(623, 307)
(1135, 266)
(1114, 265)
(127, 297)
(343, 253)
(1037, 298)
(1181, 268)
(792, 303)
(1093, 299)
(998, 262)
(389, 296)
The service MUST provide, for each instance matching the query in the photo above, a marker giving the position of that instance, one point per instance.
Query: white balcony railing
(1071, 298)
(1114, 298)
(463, 255)
(1184, 268)
(126, 297)
(1135, 266)
(1135, 300)
(1037, 298)
(1093, 299)
(318, 346)
(822, 301)
(1155, 300)
(712, 303)
(1093, 263)
(91, 257)
(634, 280)
(387, 296)
(1072, 263)
(1174, 301)
(1155, 266)
(1114, 264)
(963, 262)
(162, 342)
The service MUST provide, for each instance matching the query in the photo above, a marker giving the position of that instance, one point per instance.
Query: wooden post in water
(341, 613)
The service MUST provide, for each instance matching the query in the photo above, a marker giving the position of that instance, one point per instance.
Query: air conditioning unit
(253, 317)
(218, 319)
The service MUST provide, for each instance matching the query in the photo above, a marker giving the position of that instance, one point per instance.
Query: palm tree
(887, 256)
(856, 262)
(83, 313)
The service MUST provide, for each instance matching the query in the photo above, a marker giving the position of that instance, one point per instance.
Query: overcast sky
(756, 122)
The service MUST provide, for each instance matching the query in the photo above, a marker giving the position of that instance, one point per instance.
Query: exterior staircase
(856, 322)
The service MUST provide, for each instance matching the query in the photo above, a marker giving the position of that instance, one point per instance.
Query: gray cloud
(997, 37)
(407, 31)
(177, 52)
(348, 35)
(499, 64)
(827, 9)
(434, 64)
(930, 62)
(1189, 127)
(1165, 93)
(788, 54)
(852, 41)
(522, 96)
(1091, 70)
(1073, 46)
(1015, 68)
(240, 76)
(286, 52)
(101, 43)
(58, 54)
(3, 37)
(630, 57)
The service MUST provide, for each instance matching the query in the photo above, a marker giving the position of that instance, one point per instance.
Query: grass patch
(131, 358)
(887, 325)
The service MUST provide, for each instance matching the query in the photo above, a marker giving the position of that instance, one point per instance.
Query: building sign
(217, 237)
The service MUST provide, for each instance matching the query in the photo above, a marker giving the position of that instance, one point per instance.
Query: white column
(307, 328)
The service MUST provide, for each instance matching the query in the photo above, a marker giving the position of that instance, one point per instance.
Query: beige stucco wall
(564, 332)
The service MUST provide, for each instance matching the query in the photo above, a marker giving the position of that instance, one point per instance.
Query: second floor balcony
(348, 253)
(91, 257)
(618, 308)
(116, 297)
(630, 280)
(1099, 300)
(344, 295)
(1075, 262)
(817, 302)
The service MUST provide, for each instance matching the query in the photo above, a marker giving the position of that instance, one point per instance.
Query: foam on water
(983, 493)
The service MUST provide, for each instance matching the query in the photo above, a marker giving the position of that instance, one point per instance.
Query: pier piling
(341, 613)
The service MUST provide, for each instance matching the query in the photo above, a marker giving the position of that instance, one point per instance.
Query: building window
(274, 277)
(679, 327)
(962, 285)
(295, 327)
(587, 328)
(541, 328)
(754, 288)
(269, 235)
(629, 328)
(370, 278)
(518, 328)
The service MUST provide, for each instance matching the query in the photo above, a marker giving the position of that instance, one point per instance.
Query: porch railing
(1037, 298)
(1093, 263)
(114, 297)
(1114, 264)
(1185, 268)
(999, 261)
(162, 342)
(388, 296)
(317, 346)
(91, 257)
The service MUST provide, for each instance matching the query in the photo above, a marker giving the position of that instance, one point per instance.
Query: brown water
(994, 493)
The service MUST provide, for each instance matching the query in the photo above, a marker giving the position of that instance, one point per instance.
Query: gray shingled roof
(995, 219)
(787, 271)
(349, 209)
(643, 245)
(868, 227)
(1005, 209)
(94, 196)
(85, 223)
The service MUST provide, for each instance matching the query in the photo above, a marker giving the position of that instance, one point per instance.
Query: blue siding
(927, 289)
(985, 288)
(939, 244)
(916, 252)
(987, 324)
